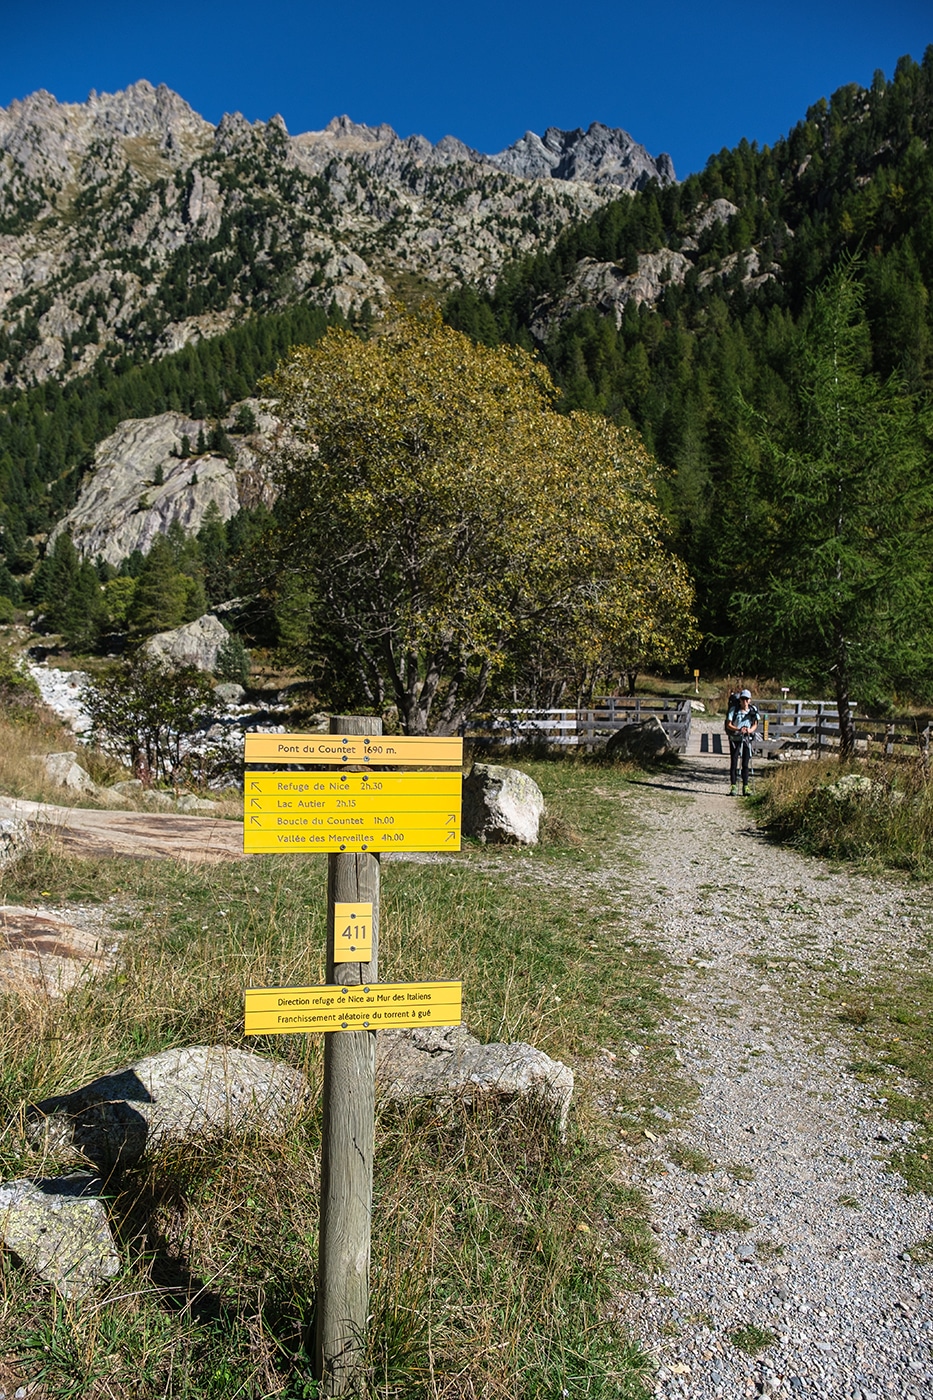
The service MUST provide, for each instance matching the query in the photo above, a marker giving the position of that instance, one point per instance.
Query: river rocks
(58, 1228)
(451, 1067)
(63, 692)
(644, 742)
(501, 805)
(170, 1097)
(195, 644)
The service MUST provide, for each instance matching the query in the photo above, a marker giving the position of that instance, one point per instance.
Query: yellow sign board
(333, 805)
(293, 1010)
(353, 932)
(379, 751)
(308, 785)
(430, 831)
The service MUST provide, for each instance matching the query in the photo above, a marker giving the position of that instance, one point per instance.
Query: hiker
(741, 727)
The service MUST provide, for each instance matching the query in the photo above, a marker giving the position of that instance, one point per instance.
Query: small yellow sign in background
(295, 1010)
(353, 932)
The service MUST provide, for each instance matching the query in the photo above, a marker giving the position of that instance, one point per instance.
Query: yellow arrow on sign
(332, 804)
(307, 784)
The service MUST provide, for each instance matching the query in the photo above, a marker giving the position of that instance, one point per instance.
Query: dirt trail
(824, 1266)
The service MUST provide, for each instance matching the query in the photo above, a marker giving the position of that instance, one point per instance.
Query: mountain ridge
(130, 224)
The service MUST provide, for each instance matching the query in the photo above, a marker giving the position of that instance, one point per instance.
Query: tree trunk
(846, 725)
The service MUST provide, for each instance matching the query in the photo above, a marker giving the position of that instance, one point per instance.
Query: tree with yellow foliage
(444, 522)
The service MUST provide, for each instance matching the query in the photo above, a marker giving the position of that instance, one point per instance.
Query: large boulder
(644, 742)
(178, 1094)
(501, 805)
(64, 769)
(58, 1228)
(450, 1067)
(195, 644)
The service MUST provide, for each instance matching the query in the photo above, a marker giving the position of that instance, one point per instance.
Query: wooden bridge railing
(587, 727)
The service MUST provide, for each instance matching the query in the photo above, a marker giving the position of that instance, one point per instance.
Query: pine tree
(842, 589)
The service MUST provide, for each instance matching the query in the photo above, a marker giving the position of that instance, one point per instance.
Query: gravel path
(851, 1310)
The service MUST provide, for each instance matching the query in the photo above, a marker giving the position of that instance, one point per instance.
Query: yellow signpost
(287, 1010)
(353, 932)
(353, 814)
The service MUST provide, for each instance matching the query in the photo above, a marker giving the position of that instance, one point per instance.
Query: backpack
(735, 705)
(732, 704)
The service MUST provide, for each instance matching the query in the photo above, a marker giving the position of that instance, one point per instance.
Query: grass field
(497, 1248)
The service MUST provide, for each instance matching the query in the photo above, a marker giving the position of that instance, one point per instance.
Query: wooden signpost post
(350, 807)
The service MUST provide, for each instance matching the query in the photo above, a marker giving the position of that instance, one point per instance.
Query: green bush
(7, 609)
(142, 711)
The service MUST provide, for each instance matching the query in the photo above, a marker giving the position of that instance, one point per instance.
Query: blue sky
(683, 78)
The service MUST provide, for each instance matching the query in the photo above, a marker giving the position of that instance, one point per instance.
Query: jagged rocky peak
(49, 139)
(600, 155)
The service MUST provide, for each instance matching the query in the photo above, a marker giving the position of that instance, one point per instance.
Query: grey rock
(64, 769)
(158, 801)
(179, 1094)
(450, 1067)
(501, 805)
(189, 803)
(229, 693)
(608, 288)
(195, 644)
(15, 840)
(129, 787)
(644, 742)
(121, 508)
(58, 1228)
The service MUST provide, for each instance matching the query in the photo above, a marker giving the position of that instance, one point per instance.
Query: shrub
(142, 711)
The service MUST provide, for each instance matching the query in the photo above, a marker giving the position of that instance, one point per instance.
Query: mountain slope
(128, 224)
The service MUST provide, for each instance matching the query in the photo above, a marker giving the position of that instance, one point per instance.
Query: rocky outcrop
(174, 1096)
(140, 484)
(601, 155)
(48, 954)
(501, 805)
(449, 1067)
(609, 288)
(195, 644)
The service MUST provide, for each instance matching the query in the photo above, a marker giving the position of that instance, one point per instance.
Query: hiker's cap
(745, 695)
